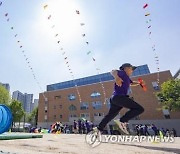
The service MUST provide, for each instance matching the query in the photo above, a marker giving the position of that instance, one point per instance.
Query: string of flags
(149, 27)
(66, 59)
(23, 52)
(89, 53)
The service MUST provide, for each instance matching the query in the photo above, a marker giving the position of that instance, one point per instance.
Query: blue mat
(5, 118)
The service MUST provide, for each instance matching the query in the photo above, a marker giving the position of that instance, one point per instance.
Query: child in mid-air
(121, 99)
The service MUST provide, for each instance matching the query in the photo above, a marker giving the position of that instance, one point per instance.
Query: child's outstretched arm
(135, 83)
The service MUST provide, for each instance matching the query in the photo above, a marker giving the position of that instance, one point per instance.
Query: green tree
(17, 110)
(169, 95)
(33, 117)
(4, 96)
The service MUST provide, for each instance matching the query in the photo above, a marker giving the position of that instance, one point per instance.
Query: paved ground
(75, 144)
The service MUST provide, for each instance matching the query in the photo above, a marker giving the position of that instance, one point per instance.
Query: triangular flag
(145, 6)
(82, 24)
(49, 17)
(77, 12)
(6, 14)
(45, 6)
(88, 52)
(147, 14)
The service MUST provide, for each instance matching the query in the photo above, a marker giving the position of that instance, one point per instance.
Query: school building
(62, 101)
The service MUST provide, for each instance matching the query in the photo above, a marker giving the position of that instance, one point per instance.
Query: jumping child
(120, 99)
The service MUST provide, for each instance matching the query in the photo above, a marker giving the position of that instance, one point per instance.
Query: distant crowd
(79, 127)
(154, 131)
(85, 126)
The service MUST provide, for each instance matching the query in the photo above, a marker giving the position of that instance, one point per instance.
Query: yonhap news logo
(94, 139)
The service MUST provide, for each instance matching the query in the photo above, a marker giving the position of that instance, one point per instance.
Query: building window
(95, 94)
(72, 107)
(155, 85)
(45, 117)
(98, 114)
(45, 109)
(108, 103)
(54, 116)
(136, 118)
(84, 115)
(97, 105)
(71, 97)
(166, 113)
(57, 97)
(84, 106)
(60, 116)
(73, 116)
(60, 106)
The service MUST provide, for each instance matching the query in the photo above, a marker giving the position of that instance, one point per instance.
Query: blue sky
(116, 30)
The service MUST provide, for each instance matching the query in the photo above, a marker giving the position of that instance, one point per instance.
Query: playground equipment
(5, 118)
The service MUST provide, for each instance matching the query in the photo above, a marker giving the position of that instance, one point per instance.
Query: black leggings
(117, 103)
